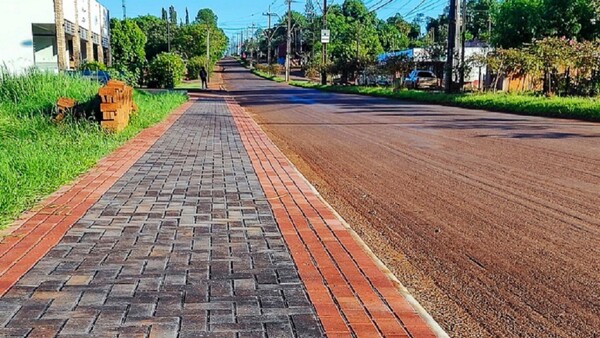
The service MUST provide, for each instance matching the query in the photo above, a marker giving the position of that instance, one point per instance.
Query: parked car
(420, 79)
(99, 76)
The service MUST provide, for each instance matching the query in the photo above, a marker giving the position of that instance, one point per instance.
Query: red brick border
(349, 291)
(39, 230)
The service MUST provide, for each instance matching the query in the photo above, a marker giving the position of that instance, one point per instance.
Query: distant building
(425, 60)
(34, 34)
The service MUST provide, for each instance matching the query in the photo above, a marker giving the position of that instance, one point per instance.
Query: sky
(235, 15)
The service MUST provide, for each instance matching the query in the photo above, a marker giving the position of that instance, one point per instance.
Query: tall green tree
(390, 37)
(518, 22)
(173, 16)
(588, 13)
(155, 30)
(355, 42)
(128, 45)
(479, 14)
(190, 41)
(207, 16)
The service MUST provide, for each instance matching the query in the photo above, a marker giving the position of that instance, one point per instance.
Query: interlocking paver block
(183, 244)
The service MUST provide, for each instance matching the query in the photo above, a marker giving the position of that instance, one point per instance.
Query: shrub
(261, 68)
(123, 74)
(166, 70)
(93, 66)
(275, 69)
(312, 72)
(194, 65)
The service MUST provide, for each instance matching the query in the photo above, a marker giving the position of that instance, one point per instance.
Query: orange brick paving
(36, 232)
(350, 293)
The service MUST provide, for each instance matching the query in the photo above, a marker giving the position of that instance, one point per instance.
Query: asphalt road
(491, 220)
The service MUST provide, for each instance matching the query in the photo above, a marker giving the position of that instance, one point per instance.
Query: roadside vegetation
(563, 107)
(37, 155)
(270, 72)
(160, 52)
(535, 57)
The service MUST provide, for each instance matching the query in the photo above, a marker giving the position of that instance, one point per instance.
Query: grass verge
(267, 76)
(38, 156)
(189, 85)
(562, 107)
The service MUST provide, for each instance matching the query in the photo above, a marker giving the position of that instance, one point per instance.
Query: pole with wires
(207, 53)
(324, 48)
(269, 35)
(451, 45)
(463, 42)
(289, 42)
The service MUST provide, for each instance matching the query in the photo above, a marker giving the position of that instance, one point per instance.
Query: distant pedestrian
(203, 77)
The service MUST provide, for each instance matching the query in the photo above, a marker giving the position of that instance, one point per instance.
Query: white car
(419, 79)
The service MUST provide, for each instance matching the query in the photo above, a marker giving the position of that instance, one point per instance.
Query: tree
(190, 41)
(166, 70)
(390, 37)
(207, 17)
(187, 16)
(155, 30)
(437, 29)
(399, 67)
(173, 16)
(588, 13)
(479, 13)
(355, 42)
(128, 42)
(561, 18)
(518, 22)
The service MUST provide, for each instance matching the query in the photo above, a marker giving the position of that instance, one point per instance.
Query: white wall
(96, 17)
(84, 13)
(16, 38)
(105, 21)
(69, 10)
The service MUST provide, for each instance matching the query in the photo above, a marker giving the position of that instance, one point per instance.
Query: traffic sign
(325, 35)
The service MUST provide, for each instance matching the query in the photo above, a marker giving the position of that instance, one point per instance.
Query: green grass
(562, 107)
(267, 76)
(38, 156)
(189, 85)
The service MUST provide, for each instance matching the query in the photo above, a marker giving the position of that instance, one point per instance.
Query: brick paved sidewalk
(352, 295)
(210, 233)
(184, 244)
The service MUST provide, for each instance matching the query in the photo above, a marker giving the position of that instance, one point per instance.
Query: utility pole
(207, 53)
(463, 38)
(269, 35)
(451, 45)
(252, 48)
(324, 48)
(288, 65)
(124, 10)
(168, 36)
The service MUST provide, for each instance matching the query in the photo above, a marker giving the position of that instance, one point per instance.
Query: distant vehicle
(99, 76)
(420, 79)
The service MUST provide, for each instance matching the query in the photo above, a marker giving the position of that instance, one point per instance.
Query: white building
(423, 59)
(31, 32)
